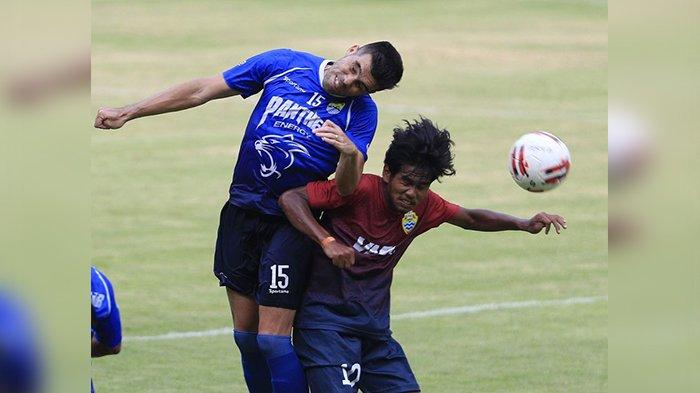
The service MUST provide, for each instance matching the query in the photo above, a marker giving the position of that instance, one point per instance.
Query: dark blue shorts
(261, 256)
(339, 362)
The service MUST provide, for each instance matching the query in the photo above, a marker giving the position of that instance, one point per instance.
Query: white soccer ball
(539, 161)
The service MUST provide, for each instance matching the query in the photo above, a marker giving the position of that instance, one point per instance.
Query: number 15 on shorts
(279, 280)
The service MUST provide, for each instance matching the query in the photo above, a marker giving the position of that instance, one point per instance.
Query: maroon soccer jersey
(357, 299)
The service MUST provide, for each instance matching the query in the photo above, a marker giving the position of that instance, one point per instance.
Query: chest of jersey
(295, 103)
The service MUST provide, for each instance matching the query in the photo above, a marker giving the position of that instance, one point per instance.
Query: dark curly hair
(387, 66)
(423, 145)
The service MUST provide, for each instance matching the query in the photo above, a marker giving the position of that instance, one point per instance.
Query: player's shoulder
(438, 205)
(435, 198)
(100, 296)
(95, 276)
(305, 55)
(365, 103)
(369, 183)
(294, 58)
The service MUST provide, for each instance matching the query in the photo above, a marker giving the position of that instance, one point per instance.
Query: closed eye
(358, 71)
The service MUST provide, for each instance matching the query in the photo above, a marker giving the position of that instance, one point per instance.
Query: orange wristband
(327, 240)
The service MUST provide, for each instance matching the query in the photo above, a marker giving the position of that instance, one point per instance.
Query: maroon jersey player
(342, 333)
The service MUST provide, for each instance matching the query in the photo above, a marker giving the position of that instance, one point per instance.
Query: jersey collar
(322, 71)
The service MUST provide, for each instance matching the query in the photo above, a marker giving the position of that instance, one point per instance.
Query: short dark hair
(423, 145)
(387, 66)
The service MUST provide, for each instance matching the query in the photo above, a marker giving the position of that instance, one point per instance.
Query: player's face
(407, 188)
(351, 75)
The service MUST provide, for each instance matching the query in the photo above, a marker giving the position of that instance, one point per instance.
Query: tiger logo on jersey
(335, 107)
(277, 147)
(409, 221)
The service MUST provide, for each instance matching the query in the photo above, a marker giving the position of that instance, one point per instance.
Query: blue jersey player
(342, 330)
(314, 117)
(106, 325)
(21, 363)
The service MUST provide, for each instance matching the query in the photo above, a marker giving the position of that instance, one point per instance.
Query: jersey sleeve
(438, 211)
(249, 77)
(108, 330)
(107, 324)
(324, 194)
(362, 123)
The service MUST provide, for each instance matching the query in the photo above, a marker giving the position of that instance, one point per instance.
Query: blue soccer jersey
(279, 151)
(106, 323)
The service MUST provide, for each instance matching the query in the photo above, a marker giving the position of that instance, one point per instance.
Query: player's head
(419, 154)
(364, 70)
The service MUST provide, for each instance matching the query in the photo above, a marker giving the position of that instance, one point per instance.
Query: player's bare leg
(244, 311)
(274, 320)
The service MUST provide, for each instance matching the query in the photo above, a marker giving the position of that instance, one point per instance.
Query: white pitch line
(410, 315)
(497, 306)
(179, 335)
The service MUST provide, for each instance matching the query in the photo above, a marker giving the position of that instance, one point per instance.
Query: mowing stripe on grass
(410, 315)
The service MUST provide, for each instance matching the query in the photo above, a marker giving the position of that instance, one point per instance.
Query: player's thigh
(330, 359)
(385, 368)
(244, 311)
(284, 266)
(237, 253)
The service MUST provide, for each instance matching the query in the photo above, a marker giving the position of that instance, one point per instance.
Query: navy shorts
(339, 362)
(261, 256)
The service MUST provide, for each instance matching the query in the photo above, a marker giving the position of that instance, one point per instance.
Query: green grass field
(487, 70)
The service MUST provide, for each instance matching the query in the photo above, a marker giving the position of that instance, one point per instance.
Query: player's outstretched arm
(490, 221)
(295, 204)
(183, 96)
(351, 161)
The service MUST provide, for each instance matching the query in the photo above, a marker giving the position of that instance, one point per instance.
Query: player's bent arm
(183, 96)
(349, 171)
(351, 161)
(99, 349)
(295, 204)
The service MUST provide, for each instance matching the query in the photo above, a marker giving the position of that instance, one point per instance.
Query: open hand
(544, 220)
(334, 135)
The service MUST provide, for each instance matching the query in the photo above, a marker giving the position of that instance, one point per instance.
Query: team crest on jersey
(274, 148)
(409, 221)
(335, 107)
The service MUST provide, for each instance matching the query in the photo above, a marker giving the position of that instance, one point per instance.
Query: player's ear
(386, 174)
(352, 49)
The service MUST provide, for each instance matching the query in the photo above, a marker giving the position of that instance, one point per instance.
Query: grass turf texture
(488, 71)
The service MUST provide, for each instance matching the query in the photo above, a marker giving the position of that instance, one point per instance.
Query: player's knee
(246, 342)
(274, 346)
(117, 349)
